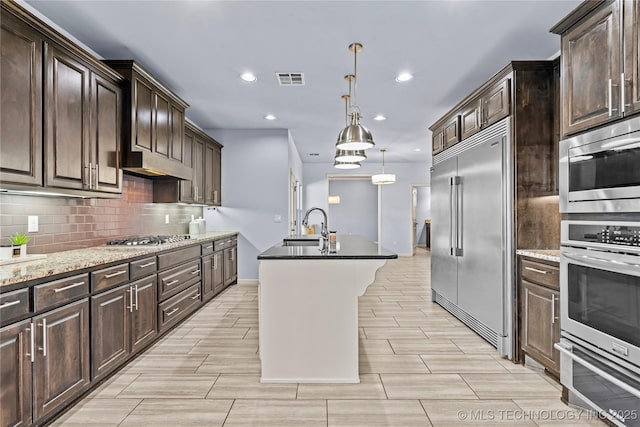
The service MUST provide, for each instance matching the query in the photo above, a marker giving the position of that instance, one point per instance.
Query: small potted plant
(19, 243)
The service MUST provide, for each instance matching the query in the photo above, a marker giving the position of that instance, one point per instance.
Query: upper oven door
(600, 300)
(599, 170)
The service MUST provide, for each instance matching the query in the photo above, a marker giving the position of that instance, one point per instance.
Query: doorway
(420, 217)
(353, 209)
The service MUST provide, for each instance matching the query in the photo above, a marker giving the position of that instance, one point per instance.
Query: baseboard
(248, 282)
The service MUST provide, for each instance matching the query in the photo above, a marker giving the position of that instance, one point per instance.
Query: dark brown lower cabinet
(16, 374)
(230, 265)
(61, 367)
(207, 278)
(540, 324)
(123, 321)
(218, 271)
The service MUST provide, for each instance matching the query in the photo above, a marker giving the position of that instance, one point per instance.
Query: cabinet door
(62, 357)
(110, 330)
(451, 132)
(15, 374)
(198, 172)
(228, 267)
(495, 104)
(66, 113)
(186, 186)
(21, 103)
(217, 176)
(631, 56)
(177, 133)
(218, 271)
(208, 173)
(144, 323)
(591, 61)
(162, 125)
(471, 119)
(540, 326)
(143, 107)
(105, 134)
(437, 141)
(207, 277)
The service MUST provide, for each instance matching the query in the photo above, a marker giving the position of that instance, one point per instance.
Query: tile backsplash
(72, 223)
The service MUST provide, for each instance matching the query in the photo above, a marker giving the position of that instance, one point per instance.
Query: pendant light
(355, 136)
(383, 178)
(348, 159)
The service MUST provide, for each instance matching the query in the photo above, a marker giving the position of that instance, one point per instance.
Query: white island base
(308, 314)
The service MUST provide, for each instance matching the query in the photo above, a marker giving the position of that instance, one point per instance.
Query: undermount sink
(302, 240)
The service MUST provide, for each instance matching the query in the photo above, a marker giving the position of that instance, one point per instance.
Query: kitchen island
(308, 309)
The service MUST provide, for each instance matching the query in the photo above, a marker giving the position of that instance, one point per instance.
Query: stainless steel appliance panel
(444, 277)
(480, 206)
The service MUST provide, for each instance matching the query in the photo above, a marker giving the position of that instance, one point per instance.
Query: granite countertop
(77, 259)
(546, 254)
(350, 247)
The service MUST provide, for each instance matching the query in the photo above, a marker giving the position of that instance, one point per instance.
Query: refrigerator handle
(452, 219)
(457, 183)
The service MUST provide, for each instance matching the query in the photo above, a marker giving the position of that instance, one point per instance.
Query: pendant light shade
(383, 178)
(350, 156)
(354, 136)
(346, 165)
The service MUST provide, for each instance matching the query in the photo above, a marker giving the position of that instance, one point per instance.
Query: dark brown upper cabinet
(153, 125)
(61, 112)
(600, 66)
(446, 135)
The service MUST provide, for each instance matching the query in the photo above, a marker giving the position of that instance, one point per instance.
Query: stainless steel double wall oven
(600, 270)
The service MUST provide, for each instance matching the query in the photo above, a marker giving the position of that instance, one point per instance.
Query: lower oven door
(608, 388)
(600, 301)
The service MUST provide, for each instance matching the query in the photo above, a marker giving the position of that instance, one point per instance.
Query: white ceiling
(199, 49)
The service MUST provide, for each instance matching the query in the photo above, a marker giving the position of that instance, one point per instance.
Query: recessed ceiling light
(418, 149)
(270, 117)
(248, 77)
(404, 77)
(380, 117)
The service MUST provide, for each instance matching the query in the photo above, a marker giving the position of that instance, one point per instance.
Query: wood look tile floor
(419, 366)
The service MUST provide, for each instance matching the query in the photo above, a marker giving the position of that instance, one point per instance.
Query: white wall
(255, 188)
(396, 198)
(358, 208)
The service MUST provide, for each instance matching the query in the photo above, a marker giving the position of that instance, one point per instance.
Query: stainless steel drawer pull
(169, 313)
(130, 299)
(32, 342)
(208, 247)
(173, 282)
(553, 309)
(195, 272)
(73, 285)
(117, 273)
(137, 298)
(10, 303)
(535, 270)
(196, 296)
(149, 264)
(44, 337)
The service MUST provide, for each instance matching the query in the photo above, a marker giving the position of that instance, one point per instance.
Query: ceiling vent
(290, 79)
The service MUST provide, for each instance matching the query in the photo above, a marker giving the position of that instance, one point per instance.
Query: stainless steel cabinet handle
(208, 247)
(9, 303)
(233, 255)
(173, 282)
(553, 309)
(149, 264)
(117, 273)
(535, 270)
(567, 351)
(196, 296)
(215, 196)
(130, 299)
(622, 94)
(215, 262)
(610, 95)
(32, 342)
(195, 272)
(169, 313)
(137, 298)
(73, 285)
(90, 175)
(44, 337)
(97, 178)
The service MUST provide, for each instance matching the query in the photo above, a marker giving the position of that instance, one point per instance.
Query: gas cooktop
(148, 240)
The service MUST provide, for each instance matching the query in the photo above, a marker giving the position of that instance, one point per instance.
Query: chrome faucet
(325, 231)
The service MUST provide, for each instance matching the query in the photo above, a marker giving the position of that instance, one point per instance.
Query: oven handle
(564, 349)
(578, 257)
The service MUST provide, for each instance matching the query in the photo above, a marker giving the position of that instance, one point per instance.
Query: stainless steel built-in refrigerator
(472, 219)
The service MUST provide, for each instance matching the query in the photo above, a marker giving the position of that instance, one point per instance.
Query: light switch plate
(32, 224)
(166, 219)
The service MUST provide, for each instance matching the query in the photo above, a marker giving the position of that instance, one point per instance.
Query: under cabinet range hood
(152, 125)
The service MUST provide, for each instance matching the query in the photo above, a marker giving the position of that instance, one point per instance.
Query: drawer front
(230, 241)
(143, 267)
(172, 281)
(14, 304)
(207, 248)
(178, 257)
(60, 291)
(109, 277)
(219, 244)
(178, 306)
(543, 274)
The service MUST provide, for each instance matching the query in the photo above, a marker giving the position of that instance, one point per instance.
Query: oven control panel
(609, 234)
